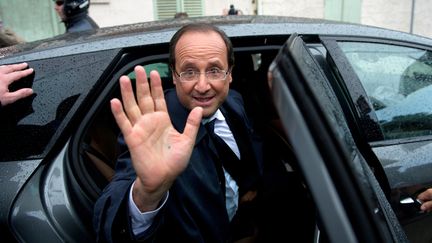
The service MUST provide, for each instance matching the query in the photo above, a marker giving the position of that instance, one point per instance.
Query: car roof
(155, 32)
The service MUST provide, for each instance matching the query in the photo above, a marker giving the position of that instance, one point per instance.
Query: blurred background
(36, 19)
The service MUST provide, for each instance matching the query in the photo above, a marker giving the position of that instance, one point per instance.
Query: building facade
(36, 19)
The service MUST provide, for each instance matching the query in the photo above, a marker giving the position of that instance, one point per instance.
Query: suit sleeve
(110, 217)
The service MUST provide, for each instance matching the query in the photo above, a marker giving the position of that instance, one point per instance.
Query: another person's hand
(9, 74)
(158, 151)
(426, 198)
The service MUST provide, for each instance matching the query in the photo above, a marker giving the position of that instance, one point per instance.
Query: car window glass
(162, 68)
(398, 82)
(60, 84)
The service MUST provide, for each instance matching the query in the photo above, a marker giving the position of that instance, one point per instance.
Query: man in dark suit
(175, 181)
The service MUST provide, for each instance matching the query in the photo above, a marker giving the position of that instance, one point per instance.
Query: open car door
(351, 205)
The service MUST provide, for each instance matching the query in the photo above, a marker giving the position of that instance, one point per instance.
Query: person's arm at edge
(426, 199)
(9, 74)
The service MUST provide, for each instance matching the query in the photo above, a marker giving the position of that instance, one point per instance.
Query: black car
(345, 111)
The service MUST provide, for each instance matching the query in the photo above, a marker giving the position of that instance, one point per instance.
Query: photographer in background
(74, 15)
(232, 11)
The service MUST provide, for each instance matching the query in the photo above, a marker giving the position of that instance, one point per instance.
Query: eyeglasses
(215, 74)
(59, 3)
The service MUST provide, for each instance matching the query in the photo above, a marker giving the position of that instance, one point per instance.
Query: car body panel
(13, 176)
(45, 204)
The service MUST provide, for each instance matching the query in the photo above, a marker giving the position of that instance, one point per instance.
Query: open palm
(158, 151)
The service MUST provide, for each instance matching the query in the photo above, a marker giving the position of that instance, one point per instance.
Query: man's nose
(203, 83)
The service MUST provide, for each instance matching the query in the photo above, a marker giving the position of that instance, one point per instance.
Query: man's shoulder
(234, 103)
(234, 93)
(170, 94)
(82, 24)
(234, 98)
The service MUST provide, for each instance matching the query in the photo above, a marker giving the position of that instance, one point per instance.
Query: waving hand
(158, 151)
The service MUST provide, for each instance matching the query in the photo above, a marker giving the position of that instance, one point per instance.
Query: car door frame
(321, 154)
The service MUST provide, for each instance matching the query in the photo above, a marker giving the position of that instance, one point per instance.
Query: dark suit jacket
(195, 210)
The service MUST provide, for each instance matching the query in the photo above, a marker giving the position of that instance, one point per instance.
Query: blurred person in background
(8, 37)
(181, 15)
(232, 11)
(74, 15)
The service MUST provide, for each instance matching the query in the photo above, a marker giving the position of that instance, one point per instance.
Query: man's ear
(173, 75)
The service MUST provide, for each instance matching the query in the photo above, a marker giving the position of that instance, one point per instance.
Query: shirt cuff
(142, 221)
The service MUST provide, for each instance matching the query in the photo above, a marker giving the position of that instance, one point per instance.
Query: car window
(161, 67)
(60, 84)
(163, 70)
(398, 82)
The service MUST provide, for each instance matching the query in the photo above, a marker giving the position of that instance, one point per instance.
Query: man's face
(201, 52)
(58, 7)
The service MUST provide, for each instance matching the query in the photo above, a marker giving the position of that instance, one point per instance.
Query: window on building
(166, 9)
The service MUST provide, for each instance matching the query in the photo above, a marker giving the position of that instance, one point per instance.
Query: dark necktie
(225, 154)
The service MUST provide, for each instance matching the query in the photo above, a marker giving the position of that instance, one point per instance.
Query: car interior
(289, 209)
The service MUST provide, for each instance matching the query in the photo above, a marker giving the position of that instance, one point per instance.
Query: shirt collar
(217, 115)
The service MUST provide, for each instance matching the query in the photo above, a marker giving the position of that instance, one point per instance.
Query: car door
(351, 204)
(389, 84)
(34, 131)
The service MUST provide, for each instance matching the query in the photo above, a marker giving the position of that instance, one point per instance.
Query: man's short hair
(200, 27)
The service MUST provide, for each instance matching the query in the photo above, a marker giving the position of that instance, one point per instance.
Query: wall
(119, 12)
(392, 14)
(217, 7)
(31, 20)
(343, 10)
(422, 18)
(310, 8)
(396, 14)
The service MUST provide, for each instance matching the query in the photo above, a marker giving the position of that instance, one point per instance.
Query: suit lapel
(178, 114)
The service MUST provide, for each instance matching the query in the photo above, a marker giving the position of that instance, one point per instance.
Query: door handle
(411, 204)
